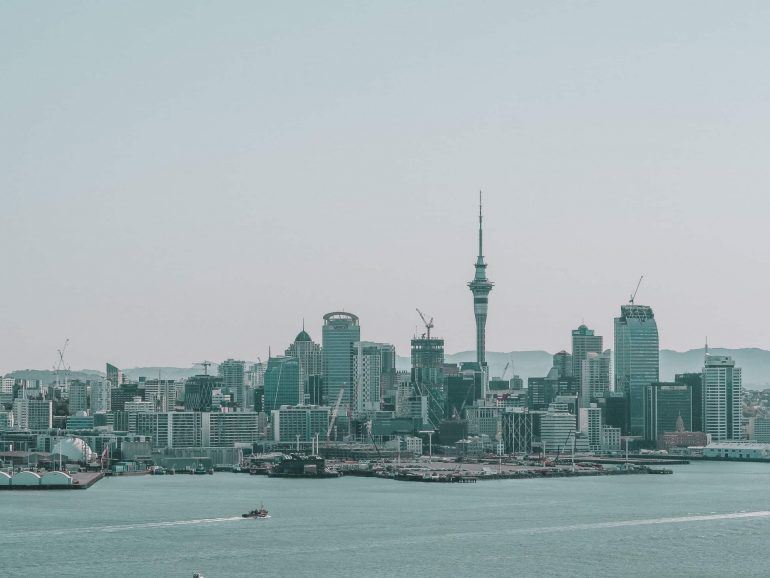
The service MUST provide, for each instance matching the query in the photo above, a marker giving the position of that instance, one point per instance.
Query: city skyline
(157, 226)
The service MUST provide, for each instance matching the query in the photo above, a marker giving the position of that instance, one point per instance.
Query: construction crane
(428, 324)
(335, 411)
(507, 365)
(633, 295)
(205, 364)
(61, 365)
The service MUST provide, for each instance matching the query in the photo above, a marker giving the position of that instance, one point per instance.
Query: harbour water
(708, 519)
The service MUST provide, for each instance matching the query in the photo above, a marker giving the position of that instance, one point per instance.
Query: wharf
(636, 460)
(80, 481)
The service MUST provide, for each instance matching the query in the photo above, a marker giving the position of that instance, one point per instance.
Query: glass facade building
(637, 359)
(664, 404)
(283, 383)
(340, 331)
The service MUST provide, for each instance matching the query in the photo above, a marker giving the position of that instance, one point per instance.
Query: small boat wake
(120, 527)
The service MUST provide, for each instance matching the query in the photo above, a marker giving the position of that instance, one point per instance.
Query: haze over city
(193, 185)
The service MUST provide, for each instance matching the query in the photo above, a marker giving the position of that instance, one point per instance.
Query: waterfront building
(610, 438)
(483, 420)
(480, 287)
(557, 427)
(180, 429)
(32, 414)
(637, 359)
(592, 427)
(231, 373)
(198, 391)
(304, 421)
(761, 429)
(584, 341)
(413, 445)
(78, 397)
(681, 438)
(595, 371)
(225, 430)
(723, 397)
(283, 385)
(562, 362)
(114, 375)
(666, 404)
(340, 331)
(737, 450)
(518, 430)
(100, 396)
(695, 382)
(310, 358)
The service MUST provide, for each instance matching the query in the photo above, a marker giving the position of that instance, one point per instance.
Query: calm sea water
(707, 519)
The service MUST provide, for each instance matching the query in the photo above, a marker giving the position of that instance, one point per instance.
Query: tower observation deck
(480, 287)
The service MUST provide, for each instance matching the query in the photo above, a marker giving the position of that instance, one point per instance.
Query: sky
(189, 180)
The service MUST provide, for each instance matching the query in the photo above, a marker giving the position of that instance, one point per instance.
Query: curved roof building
(74, 449)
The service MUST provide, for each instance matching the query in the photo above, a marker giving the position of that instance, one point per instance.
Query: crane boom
(335, 411)
(633, 295)
(428, 324)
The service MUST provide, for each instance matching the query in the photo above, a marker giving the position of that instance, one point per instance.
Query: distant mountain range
(754, 362)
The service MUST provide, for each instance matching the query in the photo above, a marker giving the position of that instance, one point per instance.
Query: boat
(200, 470)
(260, 512)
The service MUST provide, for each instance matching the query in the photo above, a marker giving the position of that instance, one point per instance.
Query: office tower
(305, 421)
(637, 359)
(114, 375)
(231, 372)
(723, 393)
(695, 383)
(310, 361)
(665, 404)
(33, 414)
(78, 397)
(427, 375)
(283, 385)
(541, 391)
(480, 287)
(340, 331)
(366, 364)
(562, 362)
(595, 376)
(161, 392)
(584, 341)
(198, 390)
(591, 424)
(463, 389)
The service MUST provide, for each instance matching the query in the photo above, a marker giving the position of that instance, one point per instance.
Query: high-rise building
(310, 360)
(304, 421)
(428, 376)
(584, 341)
(231, 371)
(695, 382)
(637, 359)
(562, 362)
(591, 424)
(340, 331)
(283, 385)
(595, 374)
(723, 395)
(33, 414)
(100, 396)
(665, 404)
(480, 287)
(198, 391)
(78, 397)
(557, 427)
(114, 375)
(371, 364)
(224, 430)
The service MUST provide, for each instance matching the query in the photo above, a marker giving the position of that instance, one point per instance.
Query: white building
(595, 376)
(484, 420)
(591, 426)
(366, 365)
(78, 397)
(556, 429)
(413, 444)
(100, 396)
(723, 398)
(610, 439)
(761, 429)
(225, 430)
(737, 450)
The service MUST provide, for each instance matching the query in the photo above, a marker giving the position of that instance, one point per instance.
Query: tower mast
(480, 287)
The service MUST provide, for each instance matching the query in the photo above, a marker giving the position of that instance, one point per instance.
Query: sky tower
(480, 287)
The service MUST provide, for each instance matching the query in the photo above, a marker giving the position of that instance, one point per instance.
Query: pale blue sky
(186, 180)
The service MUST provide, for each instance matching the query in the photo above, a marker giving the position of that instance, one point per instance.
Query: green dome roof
(302, 336)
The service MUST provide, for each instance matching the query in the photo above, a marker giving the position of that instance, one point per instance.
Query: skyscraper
(232, 373)
(723, 398)
(367, 368)
(584, 341)
(340, 331)
(308, 353)
(637, 359)
(282, 383)
(480, 287)
(78, 397)
(595, 377)
(665, 404)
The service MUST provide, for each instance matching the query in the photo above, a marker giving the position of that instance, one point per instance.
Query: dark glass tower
(480, 287)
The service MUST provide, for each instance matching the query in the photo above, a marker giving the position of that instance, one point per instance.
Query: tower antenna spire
(481, 219)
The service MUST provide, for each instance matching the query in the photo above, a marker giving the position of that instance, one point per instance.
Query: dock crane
(633, 295)
(335, 411)
(428, 324)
